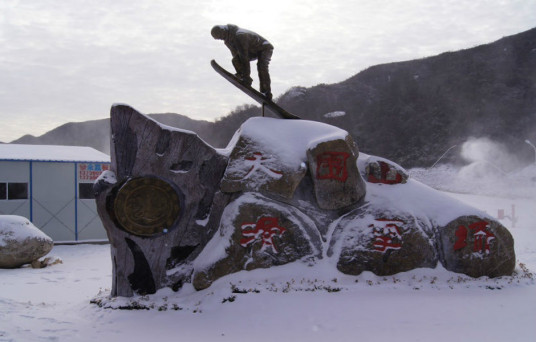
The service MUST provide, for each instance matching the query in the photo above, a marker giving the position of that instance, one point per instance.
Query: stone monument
(179, 211)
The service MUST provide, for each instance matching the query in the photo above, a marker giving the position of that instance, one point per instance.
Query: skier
(247, 46)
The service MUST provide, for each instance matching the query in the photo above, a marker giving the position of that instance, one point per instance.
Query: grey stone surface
(381, 241)
(143, 148)
(252, 168)
(337, 182)
(257, 233)
(477, 246)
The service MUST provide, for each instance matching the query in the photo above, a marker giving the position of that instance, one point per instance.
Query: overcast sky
(64, 61)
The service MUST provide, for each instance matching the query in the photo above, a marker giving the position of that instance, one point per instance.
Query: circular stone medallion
(146, 206)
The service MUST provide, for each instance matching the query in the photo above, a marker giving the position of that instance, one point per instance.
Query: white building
(52, 187)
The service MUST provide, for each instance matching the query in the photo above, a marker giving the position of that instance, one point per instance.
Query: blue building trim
(31, 191)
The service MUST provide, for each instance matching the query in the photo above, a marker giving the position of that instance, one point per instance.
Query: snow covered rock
(21, 242)
(382, 241)
(256, 232)
(477, 246)
(272, 156)
(252, 167)
(379, 170)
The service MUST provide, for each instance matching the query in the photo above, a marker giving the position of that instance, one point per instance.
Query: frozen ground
(288, 303)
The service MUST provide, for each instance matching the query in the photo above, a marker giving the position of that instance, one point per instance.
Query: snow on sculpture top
(289, 139)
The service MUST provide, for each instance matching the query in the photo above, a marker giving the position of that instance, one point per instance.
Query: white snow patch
(289, 139)
(216, 248)
(420, 200)
(18, 228)
(52, 153)
(107, 176)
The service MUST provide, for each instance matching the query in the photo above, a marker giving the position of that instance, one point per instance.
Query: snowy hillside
(291, 302)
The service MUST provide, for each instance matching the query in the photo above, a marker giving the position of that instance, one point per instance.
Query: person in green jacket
(247, 46)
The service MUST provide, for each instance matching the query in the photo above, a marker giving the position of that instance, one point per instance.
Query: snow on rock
(256, 232)
(383, 241)
(485, 249)
(271, 156)
(289, 139)
(107, 177)
(254, 167)
(381, 170)
(21, 242)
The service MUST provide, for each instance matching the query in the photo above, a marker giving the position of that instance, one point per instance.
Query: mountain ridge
(410, 111)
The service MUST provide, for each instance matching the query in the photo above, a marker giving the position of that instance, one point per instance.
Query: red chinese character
(265, 229)
(332, 165)
(257, 163)
(482, 237)
(83, 167)
(387, 235)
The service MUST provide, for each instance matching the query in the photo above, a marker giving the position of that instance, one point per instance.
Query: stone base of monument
(179, 211)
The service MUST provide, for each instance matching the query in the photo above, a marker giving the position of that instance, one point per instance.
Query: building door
(53, 199)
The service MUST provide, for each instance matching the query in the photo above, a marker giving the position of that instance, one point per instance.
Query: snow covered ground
(287, 303)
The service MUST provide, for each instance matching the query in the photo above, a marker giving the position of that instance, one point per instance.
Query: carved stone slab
(163, 205)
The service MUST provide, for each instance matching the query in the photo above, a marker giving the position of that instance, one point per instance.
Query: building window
(17, 191)
(85, 191)
(3, 191)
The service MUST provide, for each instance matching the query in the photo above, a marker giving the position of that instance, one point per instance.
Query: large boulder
(273, 156)
(255, 167)
(477, 246)
(382, 241)
(21, 242)
(337, 182)
(256, 232)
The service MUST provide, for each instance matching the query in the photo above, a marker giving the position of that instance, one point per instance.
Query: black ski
(254, 94)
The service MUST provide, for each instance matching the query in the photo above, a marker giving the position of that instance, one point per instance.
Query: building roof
(52, 153)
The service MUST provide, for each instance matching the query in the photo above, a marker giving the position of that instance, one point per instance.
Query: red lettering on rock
(263, 230)
(482, 237)
(332, 165)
